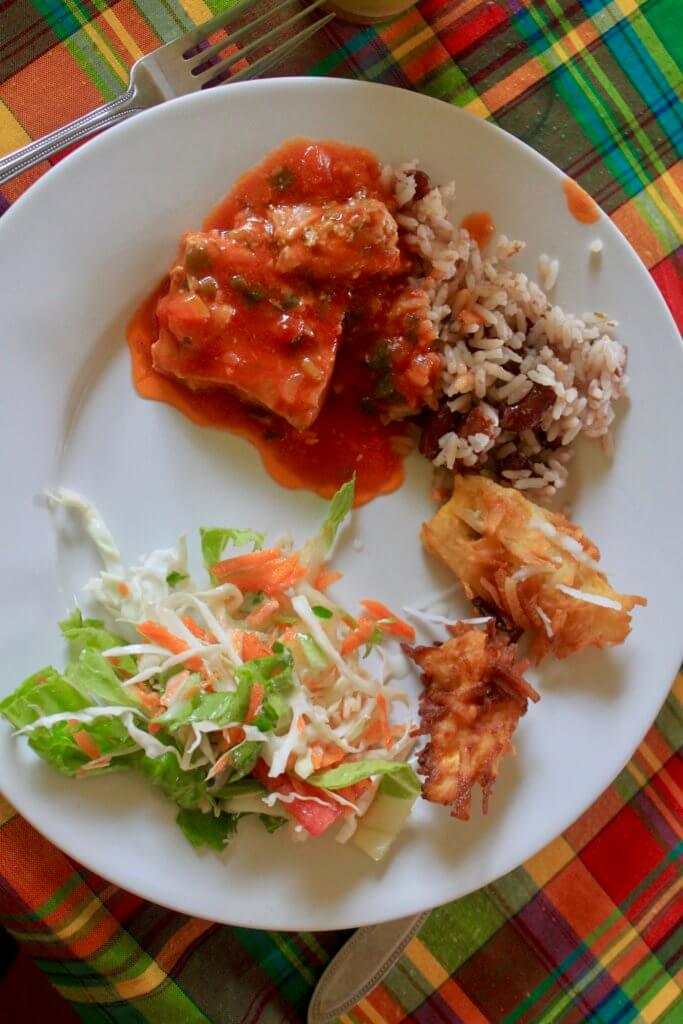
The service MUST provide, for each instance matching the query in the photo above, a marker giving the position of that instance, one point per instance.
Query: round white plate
(78, 253)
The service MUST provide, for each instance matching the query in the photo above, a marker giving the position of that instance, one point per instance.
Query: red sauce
(480, 225)
(581, 206)
(347, 436)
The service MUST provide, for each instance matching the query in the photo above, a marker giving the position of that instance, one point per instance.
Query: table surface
(590, 928)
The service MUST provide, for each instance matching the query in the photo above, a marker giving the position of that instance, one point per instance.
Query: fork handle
(83, 127)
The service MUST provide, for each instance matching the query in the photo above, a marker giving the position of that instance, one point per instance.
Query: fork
(176, 69)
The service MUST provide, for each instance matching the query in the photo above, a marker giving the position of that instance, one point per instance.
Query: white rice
(518, 340)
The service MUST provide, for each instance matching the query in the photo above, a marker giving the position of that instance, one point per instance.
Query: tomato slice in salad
(316, 818)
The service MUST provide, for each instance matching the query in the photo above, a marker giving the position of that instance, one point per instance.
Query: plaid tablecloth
(590, 928)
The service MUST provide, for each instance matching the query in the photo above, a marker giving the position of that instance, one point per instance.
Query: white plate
(78, 252)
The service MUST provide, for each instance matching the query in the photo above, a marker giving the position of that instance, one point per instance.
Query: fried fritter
(474, 696)
(532, 566)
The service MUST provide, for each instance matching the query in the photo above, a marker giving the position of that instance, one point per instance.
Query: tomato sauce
(348, 435)
(581, 206)
(480, 225)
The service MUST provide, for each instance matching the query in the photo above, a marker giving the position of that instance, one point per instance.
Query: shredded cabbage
(253, 679)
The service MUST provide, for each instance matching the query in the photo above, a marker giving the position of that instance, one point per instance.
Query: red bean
(422, 184)
(527, 414)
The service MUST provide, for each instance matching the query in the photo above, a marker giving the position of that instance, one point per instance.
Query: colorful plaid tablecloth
(590, 928)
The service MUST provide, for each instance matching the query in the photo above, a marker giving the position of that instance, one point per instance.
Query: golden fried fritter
(534, 567)
(474, 696)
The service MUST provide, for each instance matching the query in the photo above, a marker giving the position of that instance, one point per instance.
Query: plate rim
(332, 85)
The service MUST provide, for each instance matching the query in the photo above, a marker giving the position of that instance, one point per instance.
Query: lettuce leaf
(383, 821)
(313, 653)
(90, 634)
(272, 822)
(215, 540)
(44, 693)
(274, 673)
(56, 745)
(243, 758)
(94, 678)
(399, 777)
(221, 708)
(205, 829)
(187, 789)
(339, 508)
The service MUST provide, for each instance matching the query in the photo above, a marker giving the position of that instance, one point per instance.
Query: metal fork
(176, 69)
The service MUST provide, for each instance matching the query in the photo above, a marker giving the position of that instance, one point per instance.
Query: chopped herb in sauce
(282, 178)
(251, 292)
(322, 613)
(385, 385)
(207, 287)
(197, 259)
(379, 356)
(287, 302)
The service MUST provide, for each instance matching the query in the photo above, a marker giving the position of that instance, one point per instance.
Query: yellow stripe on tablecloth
(427, 964)
(12, 135)
(197, 10)
(478, 107)
(371, 1013)
(122, 33)
(134, 988)
(627, 6)
(412, 43)
(549, 861)
(643, 782)
(63, 933)
(654, 763)
(6, 809)
(659, 1003)
(96, 37)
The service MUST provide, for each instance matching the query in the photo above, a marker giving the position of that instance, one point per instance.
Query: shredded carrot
(222, 762)
(234, 735)
(86, 744)
(158, 634)
(262, 612)
(360, 635)
(172, 687)
(326, 577)
(123, 588)
(301, 724)
(154, 727)
(291, 761)
(397, 627)
(325, 755)
(253, 647)
(260, 570)
(239, 563)
(197, 630)
(256, 695)
(377, 729)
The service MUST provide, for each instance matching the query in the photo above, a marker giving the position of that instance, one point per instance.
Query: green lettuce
(272, 822)
(400, 778)
(215, 540)
(243, 758)
(313, 653)
(44, 693)
(339, 508)
(94, 678)
(185, 788)
(274, 673)
(90, 634)
(56, 745)
(221, 708)
(206, 829)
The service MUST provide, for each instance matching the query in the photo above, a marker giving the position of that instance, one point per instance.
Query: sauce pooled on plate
(290, 320)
